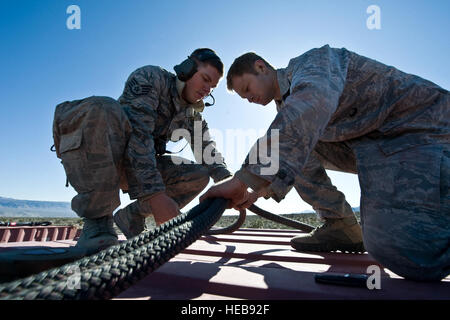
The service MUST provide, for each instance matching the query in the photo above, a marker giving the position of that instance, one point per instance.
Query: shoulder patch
(138, 89)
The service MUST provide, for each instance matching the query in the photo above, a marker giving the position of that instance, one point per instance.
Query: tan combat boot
(334, 235)
(97, 234)
(130, 223)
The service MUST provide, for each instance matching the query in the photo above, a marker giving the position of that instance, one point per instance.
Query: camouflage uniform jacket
(336, 95)
(155, 109)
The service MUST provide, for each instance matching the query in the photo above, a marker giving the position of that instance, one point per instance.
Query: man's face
(256, 88)
(201, 83)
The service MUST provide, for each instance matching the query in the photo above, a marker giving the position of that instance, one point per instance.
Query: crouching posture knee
(420, 255)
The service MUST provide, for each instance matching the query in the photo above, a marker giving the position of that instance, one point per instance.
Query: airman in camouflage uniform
(342, 111)
(106, 144)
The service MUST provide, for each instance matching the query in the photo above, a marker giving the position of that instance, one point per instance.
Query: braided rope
(113, 270)
(279, 219)
(264, 214)
(231, 228)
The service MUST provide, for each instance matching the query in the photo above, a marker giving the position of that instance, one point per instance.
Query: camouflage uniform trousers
(183, 181)
(405, 208)
(90, 138)
(315, 187)
(405, 200)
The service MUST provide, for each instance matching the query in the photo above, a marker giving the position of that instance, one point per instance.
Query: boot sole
(329, 247)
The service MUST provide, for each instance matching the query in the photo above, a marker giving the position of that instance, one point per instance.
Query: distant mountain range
(49, 209)
(28, 208)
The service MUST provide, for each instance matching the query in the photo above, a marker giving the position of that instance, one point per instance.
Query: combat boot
(97, 234)
(130, 223)
(334, 235)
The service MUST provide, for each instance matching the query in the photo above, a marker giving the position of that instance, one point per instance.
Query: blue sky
(44, 63)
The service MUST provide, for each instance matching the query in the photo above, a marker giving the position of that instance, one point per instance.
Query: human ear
(260, 66)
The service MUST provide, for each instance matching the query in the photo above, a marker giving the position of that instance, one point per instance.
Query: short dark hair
(243, 64)
(208, 56)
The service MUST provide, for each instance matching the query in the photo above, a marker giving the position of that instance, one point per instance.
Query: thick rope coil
(113, 270)
(106, 274)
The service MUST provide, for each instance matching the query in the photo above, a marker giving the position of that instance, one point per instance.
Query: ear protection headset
(188, 67)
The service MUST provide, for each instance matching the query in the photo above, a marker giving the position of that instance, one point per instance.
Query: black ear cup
(186, 69)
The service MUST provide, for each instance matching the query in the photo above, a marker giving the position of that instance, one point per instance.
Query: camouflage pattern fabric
(90, 137)
(155, 109)
(405, 207)
(183, 182)
(104, 145)
(396, 127)
(315, 187)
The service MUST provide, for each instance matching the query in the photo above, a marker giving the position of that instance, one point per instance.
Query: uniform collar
(283, 83)
(179, 102)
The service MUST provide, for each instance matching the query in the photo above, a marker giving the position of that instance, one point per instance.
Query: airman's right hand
(163, 208)
(232, 189)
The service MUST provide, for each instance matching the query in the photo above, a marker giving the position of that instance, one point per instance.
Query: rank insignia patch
(138, 89)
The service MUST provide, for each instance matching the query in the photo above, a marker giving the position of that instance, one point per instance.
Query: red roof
(260, 264)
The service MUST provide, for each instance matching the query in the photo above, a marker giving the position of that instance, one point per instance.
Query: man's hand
(163, 208)
(232, 189)
(252, 197)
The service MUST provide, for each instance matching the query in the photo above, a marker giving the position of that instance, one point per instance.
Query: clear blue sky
(44, 63)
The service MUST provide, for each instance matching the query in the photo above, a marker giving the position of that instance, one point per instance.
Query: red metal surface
(260, 264)
(37, 233)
